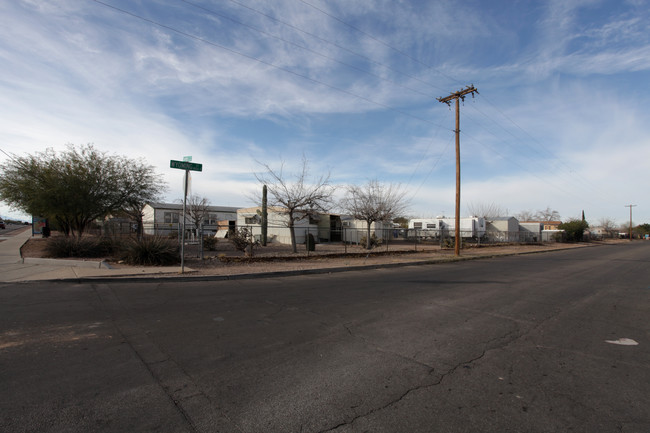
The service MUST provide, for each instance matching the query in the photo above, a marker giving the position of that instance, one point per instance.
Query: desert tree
(134, 206)
(488, 211)
(548, 214)
(608, 226)
(197, 210)
(526, 215)
(77, 186)
(296, 196)
(374, 202)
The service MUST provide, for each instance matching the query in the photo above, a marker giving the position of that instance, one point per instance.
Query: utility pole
(457, 96)
(630, 206)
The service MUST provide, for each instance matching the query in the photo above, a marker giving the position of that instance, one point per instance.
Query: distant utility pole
(457, 96)
(630, 206)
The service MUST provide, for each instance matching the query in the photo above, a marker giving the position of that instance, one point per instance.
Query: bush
(151, 251)
(374, 241)
(87, 247)
(242, 240)
(574, 230)
(210, 243)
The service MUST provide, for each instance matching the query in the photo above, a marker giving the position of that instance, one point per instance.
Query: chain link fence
(328, 240)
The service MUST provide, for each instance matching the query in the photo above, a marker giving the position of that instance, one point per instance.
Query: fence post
(201, 240)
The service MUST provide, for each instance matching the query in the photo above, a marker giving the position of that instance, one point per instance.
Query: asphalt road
(511, 344)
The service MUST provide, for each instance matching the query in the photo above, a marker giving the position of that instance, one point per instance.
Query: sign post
(187, 166)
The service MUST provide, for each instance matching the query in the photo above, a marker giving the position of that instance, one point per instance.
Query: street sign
(186, 165)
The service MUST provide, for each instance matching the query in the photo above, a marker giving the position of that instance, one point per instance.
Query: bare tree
(197, 210)
(297, 199)
(374, 202)
(486, 210)
(526, 215)
(548, 214)
(609, 226)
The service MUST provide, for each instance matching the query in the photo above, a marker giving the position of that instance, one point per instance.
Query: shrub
(574, 230)
(86, 247)
(210, 243)
(374, 241)
(151, 251)
(242, 240)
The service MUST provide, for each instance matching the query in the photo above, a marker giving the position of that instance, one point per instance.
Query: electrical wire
(264, 62)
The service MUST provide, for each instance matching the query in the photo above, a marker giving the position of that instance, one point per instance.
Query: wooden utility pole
(457, 96)
(630, 206)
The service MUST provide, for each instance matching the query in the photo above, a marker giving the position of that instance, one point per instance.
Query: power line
(214, 44)
(333, 87)
(325, 56)
(334, 44)
(570, 171)
(377, 40)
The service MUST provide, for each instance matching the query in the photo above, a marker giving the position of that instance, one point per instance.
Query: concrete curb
(188, 277)
(62, 262)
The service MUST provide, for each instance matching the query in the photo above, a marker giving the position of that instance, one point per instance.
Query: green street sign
(186, 165)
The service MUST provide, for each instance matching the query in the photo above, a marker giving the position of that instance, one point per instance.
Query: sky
(561, 119)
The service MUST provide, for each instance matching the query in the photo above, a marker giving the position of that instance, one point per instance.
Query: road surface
(550, 342)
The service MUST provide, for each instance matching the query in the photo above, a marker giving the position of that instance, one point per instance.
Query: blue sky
(562, 118)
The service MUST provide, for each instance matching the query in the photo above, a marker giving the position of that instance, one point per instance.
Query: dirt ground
(225, 260)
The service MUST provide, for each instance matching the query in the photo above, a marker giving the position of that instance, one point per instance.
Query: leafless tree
(197, 210)
(548, 214)
(609, 226)
(374, 202)
(526, 215)
(297, 198)
(486, 210)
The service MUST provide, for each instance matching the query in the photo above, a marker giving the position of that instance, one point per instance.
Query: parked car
(2, 225)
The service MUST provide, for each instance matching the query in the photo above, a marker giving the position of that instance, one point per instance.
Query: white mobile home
(469, 227)
(166, 218)
(355, 230)
(503, 229)
(277, 228)
(530, 231)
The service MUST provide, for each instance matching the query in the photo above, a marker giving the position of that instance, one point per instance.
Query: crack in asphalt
(442, 376)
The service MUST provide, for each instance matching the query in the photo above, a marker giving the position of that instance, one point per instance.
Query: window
(431, 226)
(417, 225)
(171, 217)
(251, 220)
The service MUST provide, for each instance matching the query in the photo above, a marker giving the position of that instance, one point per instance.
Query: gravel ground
(225, 260)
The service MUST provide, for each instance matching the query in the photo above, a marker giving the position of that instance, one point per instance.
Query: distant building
(503, 229)
(166, 218)
(435, 227)
(325, 227)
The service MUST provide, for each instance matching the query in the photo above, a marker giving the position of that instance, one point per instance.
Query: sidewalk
(13, 268)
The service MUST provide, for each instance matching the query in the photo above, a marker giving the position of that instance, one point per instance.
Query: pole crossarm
(459, 94)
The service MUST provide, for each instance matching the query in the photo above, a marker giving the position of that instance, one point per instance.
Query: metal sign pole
(186, 165)
(187, 172)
